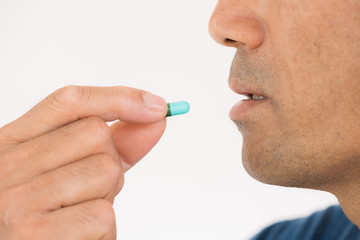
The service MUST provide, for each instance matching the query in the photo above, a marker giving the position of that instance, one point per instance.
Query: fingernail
(153, 102)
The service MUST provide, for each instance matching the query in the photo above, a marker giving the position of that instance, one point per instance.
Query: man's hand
(61, 165)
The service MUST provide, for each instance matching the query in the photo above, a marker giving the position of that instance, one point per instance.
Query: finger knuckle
(99, 214)
(98, 129)
(110, 171)
(68, 96)
(105, 213)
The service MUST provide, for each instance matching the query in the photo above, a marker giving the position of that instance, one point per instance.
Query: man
(61, 165)
(299, 61)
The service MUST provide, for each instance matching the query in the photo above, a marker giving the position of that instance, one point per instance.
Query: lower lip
(245, 107)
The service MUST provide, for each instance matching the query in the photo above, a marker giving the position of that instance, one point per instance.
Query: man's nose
(235, 24)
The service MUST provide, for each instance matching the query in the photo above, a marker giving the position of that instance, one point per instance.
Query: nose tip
(236, 26)
(222, 35)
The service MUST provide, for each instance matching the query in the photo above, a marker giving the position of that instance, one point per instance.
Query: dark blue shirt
(329, 224)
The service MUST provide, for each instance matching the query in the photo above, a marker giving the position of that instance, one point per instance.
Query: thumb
(134, 140)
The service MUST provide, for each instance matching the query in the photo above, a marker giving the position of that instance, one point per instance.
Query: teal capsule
(177, 108)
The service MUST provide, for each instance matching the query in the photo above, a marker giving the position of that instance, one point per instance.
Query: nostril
(232, 43)
(228, 40)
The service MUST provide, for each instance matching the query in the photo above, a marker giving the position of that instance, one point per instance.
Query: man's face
(303, 56)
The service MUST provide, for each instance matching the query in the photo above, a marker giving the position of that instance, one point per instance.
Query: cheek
(317, 57)
(314, 122)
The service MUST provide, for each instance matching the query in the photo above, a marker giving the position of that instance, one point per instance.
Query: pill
(177, 108)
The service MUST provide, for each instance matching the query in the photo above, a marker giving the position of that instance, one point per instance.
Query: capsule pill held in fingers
(177, 108)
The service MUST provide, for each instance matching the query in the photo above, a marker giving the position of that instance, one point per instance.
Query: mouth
(250, 106)
(253, 97)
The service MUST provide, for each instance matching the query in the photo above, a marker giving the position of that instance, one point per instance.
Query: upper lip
(242, 89)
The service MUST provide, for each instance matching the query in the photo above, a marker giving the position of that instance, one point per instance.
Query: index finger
(72, 103)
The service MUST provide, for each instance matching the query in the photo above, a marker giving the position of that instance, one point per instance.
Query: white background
(192, 185)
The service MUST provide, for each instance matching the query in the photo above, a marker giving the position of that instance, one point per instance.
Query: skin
(303, 56)
(62, 165)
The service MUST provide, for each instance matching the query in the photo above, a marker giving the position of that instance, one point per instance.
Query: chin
(271, 164)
